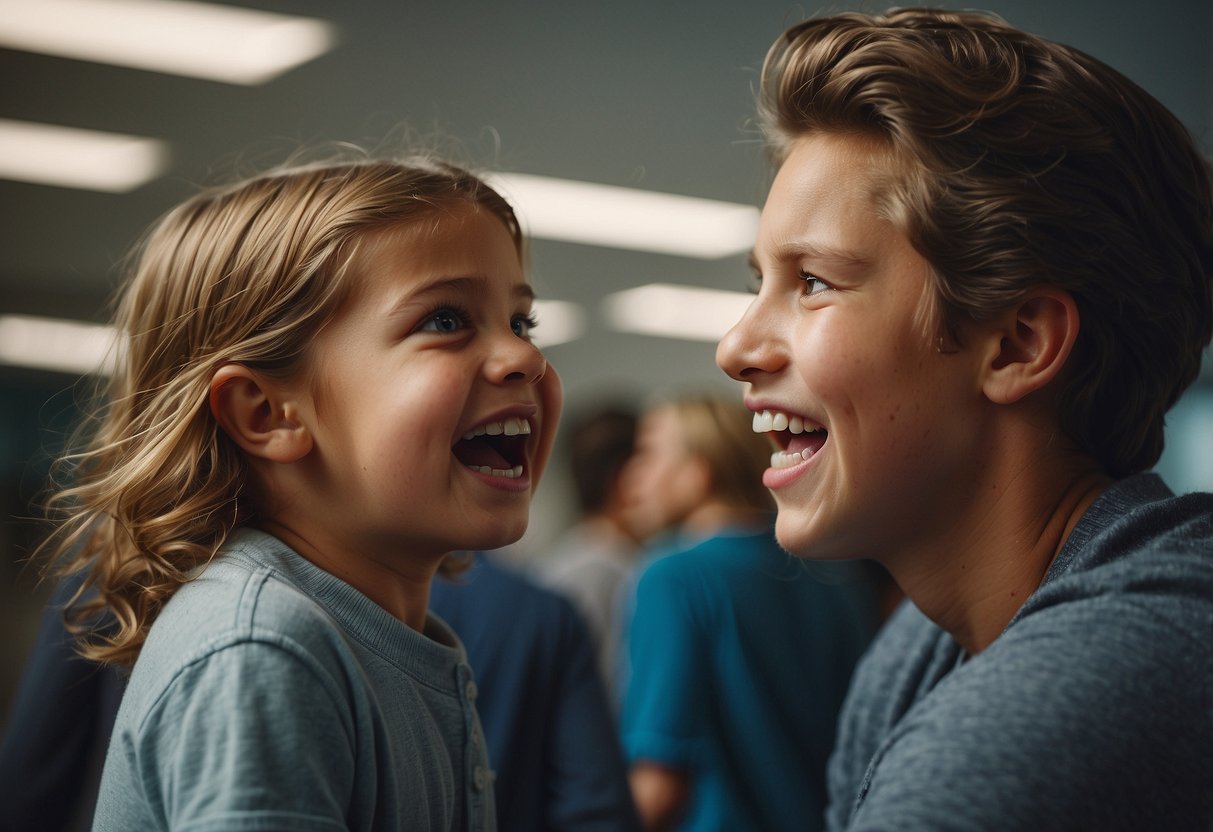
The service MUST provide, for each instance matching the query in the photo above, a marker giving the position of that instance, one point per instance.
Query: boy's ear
(258, 415)
(1036, 337)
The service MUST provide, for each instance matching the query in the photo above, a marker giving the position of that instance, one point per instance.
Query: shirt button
(471, 691)
(479, 778)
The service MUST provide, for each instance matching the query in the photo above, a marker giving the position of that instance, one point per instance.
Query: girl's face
(432, 413)
(877, 431)
(663, 482)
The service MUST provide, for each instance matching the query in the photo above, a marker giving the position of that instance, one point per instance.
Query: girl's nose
(515, 359)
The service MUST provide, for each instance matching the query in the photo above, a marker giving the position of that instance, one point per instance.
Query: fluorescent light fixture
(52, 344)
(605, 215)
(559, 322)
(670, 311)
(74, 158)
(200, 40)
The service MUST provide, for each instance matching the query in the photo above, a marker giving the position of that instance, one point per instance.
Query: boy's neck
(973, 584)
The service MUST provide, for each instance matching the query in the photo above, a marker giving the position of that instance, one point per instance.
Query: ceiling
(636, 93)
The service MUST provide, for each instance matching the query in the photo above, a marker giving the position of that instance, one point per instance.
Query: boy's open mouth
(496, 448)
(796, 438)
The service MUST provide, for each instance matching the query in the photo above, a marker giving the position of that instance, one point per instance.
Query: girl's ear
(1036, 337)
(258, 415)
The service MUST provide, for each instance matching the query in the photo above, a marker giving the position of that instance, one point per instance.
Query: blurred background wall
(656, 98)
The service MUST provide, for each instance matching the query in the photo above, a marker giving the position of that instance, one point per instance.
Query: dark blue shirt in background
(551, 737)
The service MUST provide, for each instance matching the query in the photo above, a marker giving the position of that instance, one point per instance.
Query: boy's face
(884, 428)
(431, 347)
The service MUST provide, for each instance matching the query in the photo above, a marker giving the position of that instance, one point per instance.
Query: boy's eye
(443, 320)
(754, 286)
(523, 324)
(814, 285)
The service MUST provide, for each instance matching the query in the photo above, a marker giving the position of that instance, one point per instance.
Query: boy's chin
(503, 535)
(796, 540)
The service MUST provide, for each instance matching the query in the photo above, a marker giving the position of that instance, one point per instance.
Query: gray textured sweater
(1092, 710)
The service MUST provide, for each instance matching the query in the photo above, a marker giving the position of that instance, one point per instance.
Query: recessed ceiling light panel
(51, 344)
(73, 158)
(200, 40)
(669, 311)
(605, 215)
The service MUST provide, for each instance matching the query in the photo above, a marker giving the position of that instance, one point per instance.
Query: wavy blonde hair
(248, 274)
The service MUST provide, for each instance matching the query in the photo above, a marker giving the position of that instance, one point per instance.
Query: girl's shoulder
(237, 611)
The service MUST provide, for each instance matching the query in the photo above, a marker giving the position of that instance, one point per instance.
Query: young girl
(327, 385)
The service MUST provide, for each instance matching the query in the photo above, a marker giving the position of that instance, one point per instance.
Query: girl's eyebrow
(457, 284)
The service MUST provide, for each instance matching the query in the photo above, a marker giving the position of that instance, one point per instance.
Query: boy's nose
(749, 348)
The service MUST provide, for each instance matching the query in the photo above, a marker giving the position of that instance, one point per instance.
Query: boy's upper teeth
(766, 421)
(510, 426)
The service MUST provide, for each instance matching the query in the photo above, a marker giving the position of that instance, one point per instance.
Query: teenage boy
(984, 277)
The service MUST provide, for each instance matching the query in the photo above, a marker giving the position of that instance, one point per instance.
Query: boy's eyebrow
(796, 250)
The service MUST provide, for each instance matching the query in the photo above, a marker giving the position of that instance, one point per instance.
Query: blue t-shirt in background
(740, 659)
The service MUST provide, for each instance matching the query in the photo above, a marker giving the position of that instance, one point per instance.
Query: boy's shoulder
(1140, 562)
(1104, 671)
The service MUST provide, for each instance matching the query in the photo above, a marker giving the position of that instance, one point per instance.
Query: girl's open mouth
(495, 448)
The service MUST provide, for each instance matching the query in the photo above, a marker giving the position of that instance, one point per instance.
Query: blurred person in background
(587, 563)
(740, 654)
(551, 735)
(57, 730)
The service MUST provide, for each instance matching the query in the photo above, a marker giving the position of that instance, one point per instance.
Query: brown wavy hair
(1019, 162)
(247, 273)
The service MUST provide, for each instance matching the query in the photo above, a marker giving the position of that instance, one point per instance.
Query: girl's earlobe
(259, 416)
(1036, 338)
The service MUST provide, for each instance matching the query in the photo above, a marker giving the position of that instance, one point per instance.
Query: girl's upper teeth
(510, 426)
(766, 421)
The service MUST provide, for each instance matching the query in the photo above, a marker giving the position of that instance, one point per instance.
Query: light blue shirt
(271, 695)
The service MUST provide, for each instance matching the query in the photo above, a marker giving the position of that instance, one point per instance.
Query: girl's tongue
(491, 451)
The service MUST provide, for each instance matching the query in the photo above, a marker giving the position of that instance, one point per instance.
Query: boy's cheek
(551, 402)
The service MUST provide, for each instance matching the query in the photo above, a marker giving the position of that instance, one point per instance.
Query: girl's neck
(399, 585)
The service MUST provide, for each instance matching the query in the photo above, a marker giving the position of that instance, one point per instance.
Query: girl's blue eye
(443, 320)
(523, 324)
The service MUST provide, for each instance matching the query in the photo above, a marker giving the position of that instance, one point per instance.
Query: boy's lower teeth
(509, 473)
(783, 459)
